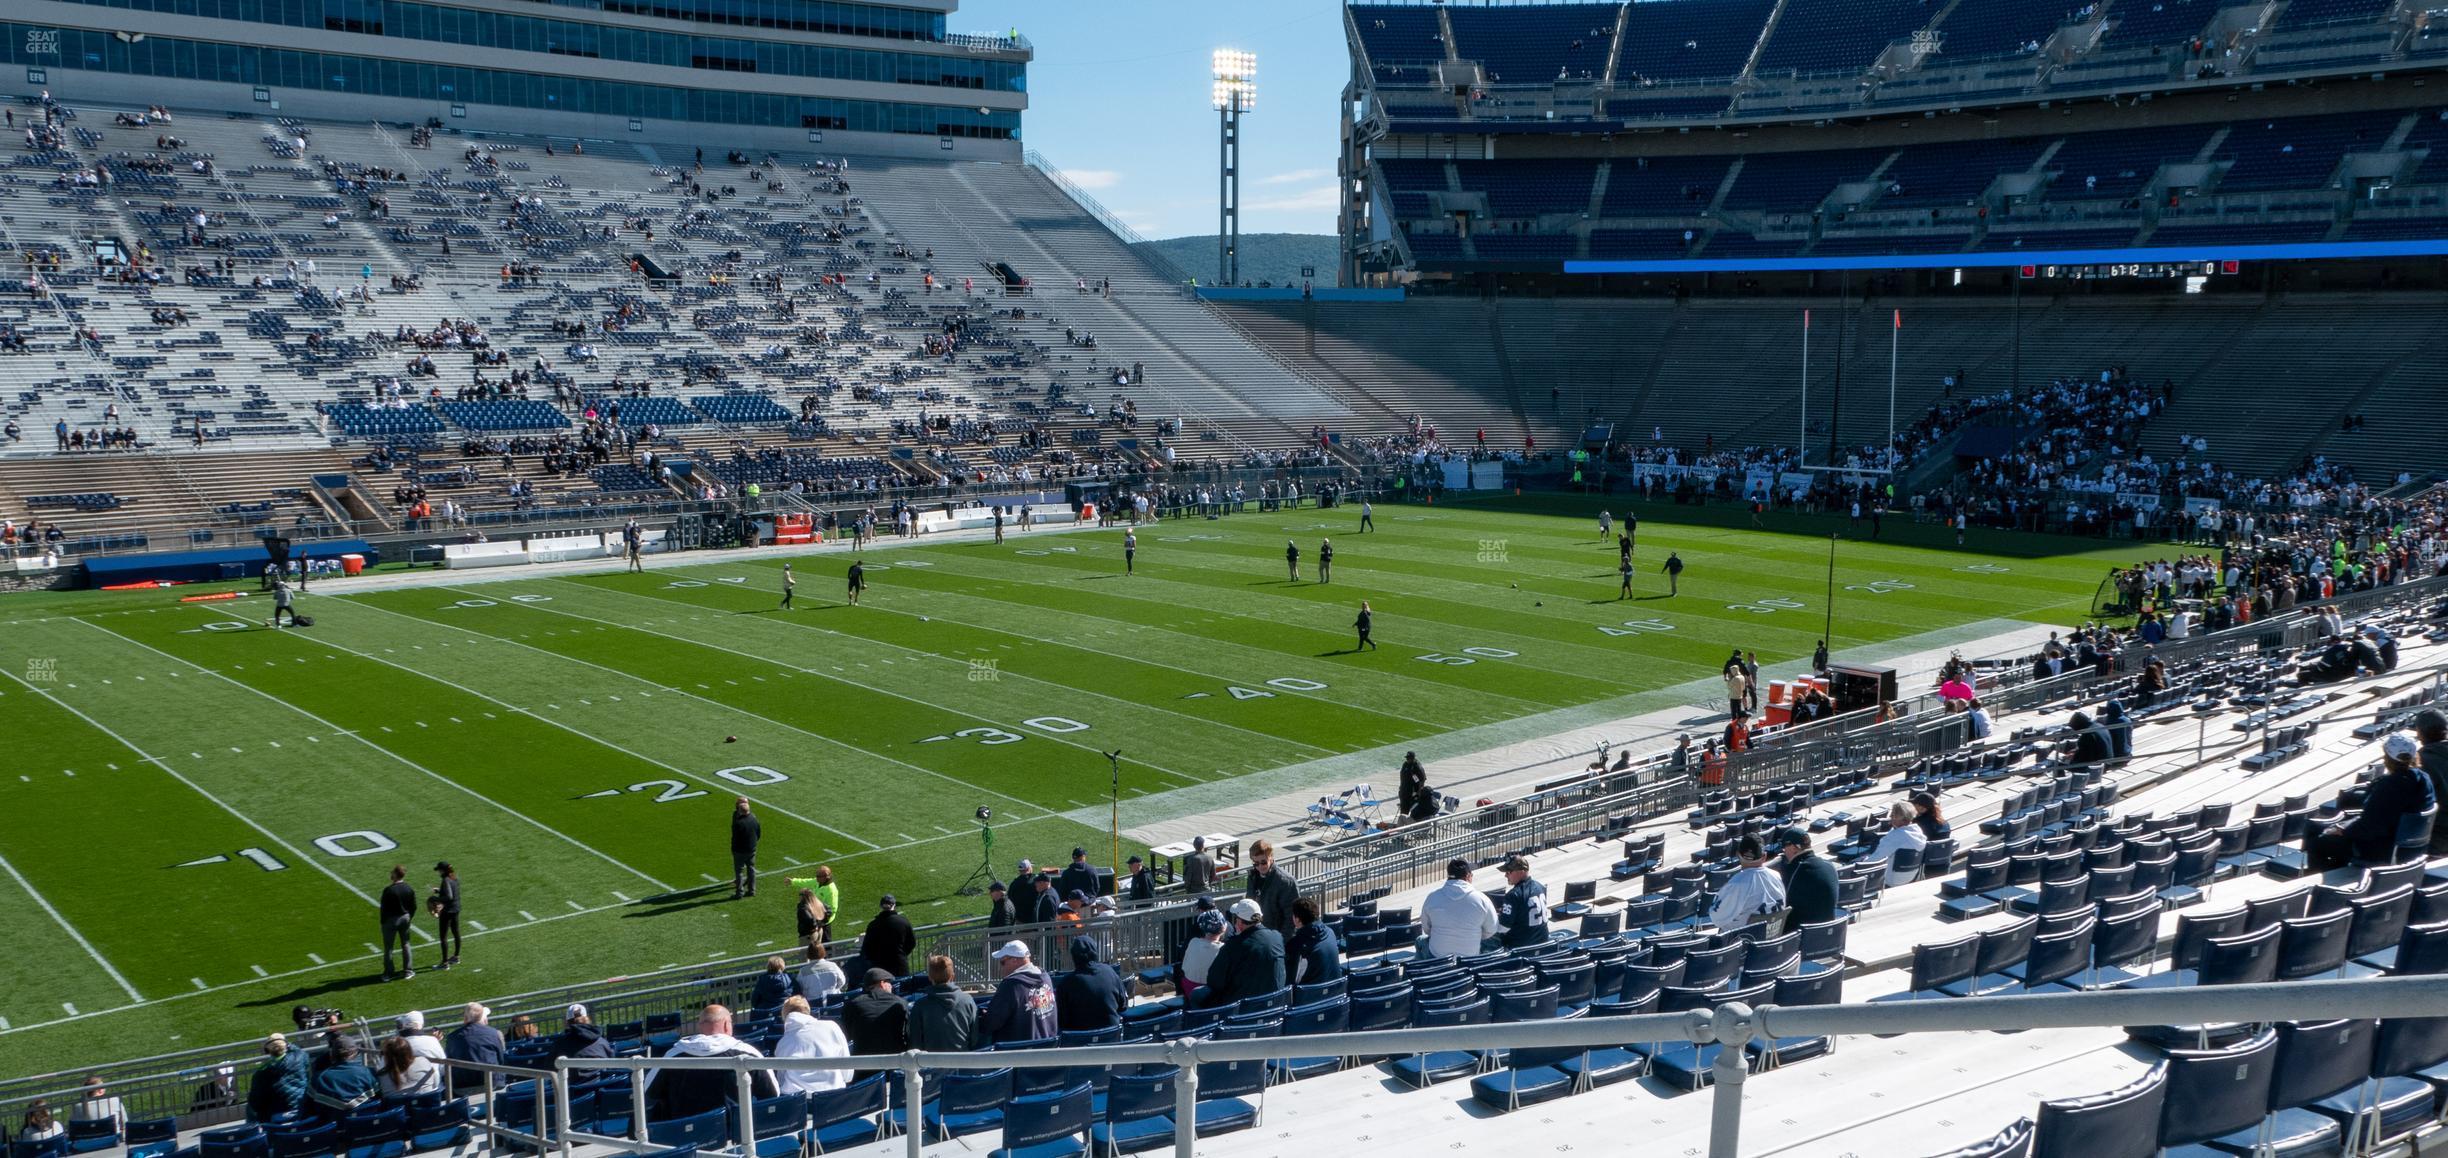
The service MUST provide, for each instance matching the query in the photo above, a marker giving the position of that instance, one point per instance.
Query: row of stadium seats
(2039, 193)
(1680, 58)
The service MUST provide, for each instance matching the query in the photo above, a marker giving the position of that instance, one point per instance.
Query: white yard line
(719, 704)
(174, 774)
(403, 760)
(1136, 705)
(88, 946)
(804, 670)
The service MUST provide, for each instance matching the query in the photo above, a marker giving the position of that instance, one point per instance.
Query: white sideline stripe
(164, 765)
(260, 971)
(595, 739)
(529, 916)
(90, 951)
(811, 671)
(871, 845)
(199, 983)
(1268, 737)
(574, 842)
(317, 958)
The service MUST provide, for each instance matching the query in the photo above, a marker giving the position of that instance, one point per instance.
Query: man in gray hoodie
(944, 1017)
(1022, 1008)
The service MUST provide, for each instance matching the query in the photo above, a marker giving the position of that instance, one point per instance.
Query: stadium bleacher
(821, 329)
(1826, 35)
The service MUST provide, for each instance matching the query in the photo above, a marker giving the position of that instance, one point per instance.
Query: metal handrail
(554, 1080)
(1732, 1025)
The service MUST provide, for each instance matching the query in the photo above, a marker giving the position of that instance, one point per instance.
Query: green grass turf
(563, 739)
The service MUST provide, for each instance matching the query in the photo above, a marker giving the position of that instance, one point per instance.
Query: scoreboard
(2163, 270)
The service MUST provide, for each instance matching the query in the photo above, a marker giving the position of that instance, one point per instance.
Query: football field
(200, 811)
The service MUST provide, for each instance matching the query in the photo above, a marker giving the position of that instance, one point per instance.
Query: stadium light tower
(1236, 92)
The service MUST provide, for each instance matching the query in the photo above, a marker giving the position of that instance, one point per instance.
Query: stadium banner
(459, 556)
(967, 518)
(1758, 481)
(1487, 476)
(1457, 475)
(1797, 480)
(2139, 502)
(2200, 506)
(556, 550)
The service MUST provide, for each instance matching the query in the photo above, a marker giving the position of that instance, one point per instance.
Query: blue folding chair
(1330, 1016)
(704, 1130)
(779, 1123)
(2105, 1123)
(383, 1134)
(1530, 1076)
(1138, 1112)
(850, 1116)
(92, 1134)
(1224, 1092)
(964, 1103)
(1050, 1125)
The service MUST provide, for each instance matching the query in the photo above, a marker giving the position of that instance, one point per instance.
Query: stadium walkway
(1507, 759)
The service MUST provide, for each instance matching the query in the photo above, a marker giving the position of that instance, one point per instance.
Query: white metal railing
(1732, 1025)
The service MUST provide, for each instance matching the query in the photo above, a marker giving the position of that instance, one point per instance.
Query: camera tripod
(984, 873)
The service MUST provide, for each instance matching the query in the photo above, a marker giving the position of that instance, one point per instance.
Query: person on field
(444, 903)
(399, 902)
(745, 833)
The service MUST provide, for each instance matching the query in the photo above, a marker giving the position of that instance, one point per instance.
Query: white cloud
(1093, 178)
(1311, 200)
(1297, 177)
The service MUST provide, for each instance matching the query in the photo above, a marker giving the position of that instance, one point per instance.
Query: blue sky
(1118, 99)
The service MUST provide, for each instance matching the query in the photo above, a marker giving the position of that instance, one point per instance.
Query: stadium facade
(835, 76)
(1699, 137)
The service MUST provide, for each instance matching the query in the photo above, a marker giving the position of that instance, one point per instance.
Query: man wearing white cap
(412, 1030)
(2390, 803)
(579, 1037)
(1023, 1005)
(1251, 963)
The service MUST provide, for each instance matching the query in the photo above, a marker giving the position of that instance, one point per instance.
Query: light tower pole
(1236, 92)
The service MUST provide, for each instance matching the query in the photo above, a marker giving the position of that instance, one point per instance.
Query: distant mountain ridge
(1268, 257)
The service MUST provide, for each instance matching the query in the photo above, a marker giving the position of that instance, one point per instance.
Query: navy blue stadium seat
(1054, 1124)
(1138, 1112)
(2096, 1125)
(2217, 1092)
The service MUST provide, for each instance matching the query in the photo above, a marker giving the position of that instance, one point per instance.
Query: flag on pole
(1899, 319)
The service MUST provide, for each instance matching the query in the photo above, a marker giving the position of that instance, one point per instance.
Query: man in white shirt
(1754, 893)
(1903, 832)
(1457, 919)
(412, 1028)
(1978, 717)
(806, 1035)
